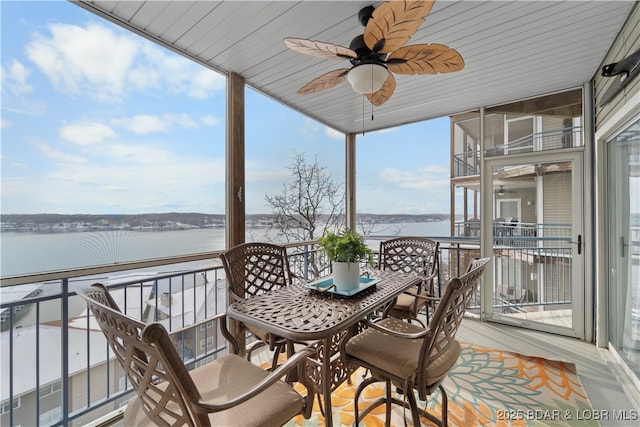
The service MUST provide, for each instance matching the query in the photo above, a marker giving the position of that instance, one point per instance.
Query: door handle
(579, 243)
(622, 246)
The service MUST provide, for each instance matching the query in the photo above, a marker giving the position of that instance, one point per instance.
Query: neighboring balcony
(468, 163)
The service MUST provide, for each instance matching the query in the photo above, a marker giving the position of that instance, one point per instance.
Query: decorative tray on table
(326, 285)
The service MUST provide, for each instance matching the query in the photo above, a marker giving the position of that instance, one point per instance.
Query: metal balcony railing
(468, 163)
(532, 264)
(551, 139)
(518, 234)
(57, 369)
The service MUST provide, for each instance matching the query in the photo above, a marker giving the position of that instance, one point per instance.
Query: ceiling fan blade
(325, 81)
(393, 23)
(381, 96)
(425, 59)
(319, 49)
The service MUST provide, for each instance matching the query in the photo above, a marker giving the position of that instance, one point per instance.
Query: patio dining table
(300, 313)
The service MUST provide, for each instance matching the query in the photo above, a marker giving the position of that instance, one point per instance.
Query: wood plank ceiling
(512, 50)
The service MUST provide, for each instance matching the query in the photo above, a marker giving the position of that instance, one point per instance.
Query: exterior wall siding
(557, 198)
(627, 42)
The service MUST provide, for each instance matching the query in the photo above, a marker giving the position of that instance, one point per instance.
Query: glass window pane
(123, 152)
(624, 244)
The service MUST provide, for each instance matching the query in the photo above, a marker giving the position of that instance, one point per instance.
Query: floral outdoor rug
(485, 388)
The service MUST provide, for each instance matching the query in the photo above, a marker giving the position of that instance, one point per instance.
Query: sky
(97, 120)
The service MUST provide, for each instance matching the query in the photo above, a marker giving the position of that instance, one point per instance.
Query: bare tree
(309, 204)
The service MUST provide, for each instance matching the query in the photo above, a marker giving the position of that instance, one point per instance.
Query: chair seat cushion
(405, 302)
(407, 305)
(228, 377)
(399, 356)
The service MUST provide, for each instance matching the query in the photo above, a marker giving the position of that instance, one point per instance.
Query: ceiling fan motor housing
(365, 14)
(364, 54)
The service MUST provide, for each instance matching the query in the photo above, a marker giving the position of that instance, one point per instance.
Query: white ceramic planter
(346, 275)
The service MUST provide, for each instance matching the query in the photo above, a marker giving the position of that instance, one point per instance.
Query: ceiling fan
(379, 52)
(501, 191)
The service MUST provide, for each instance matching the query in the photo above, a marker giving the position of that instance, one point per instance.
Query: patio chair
(228, 391)
(412, 358)
(417, 255)
(252, 269)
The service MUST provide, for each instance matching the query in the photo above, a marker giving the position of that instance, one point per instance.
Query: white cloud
(333, 134)
(18, 165)
(429, 177)
(127, 177)
(309, 129)
(90, 133)
(182, 120)
(24, 105)
(4, 124)
(149, 68)
(135, 153)
(84, 60)
(15, 78)
(138, 184)
(210, 120)
(204, 83)
(54, 154)
(389, 130)
(417, 191)
(144, 123)
(259, 174)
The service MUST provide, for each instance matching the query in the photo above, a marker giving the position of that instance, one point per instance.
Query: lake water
(24, 253)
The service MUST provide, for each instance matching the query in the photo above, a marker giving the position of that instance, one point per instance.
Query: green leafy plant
(346, 247)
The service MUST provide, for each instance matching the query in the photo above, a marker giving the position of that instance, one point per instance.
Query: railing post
(11, 422)
(65, 352)
(350, 181)
(306, 262)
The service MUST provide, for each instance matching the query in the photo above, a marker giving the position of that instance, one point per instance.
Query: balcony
(76, 384)
(468, 163)
(57, 368)
(551, 139)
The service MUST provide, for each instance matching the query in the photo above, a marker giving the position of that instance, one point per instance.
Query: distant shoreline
(171, 221)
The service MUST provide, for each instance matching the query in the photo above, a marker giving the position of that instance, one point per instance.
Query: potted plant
(346, 251)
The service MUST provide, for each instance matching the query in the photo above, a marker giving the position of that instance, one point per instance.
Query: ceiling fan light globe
(367, 78)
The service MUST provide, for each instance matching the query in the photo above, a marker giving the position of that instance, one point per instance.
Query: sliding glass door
(623, 204)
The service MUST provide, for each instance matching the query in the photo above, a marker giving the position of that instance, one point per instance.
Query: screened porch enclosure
(516, 176)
